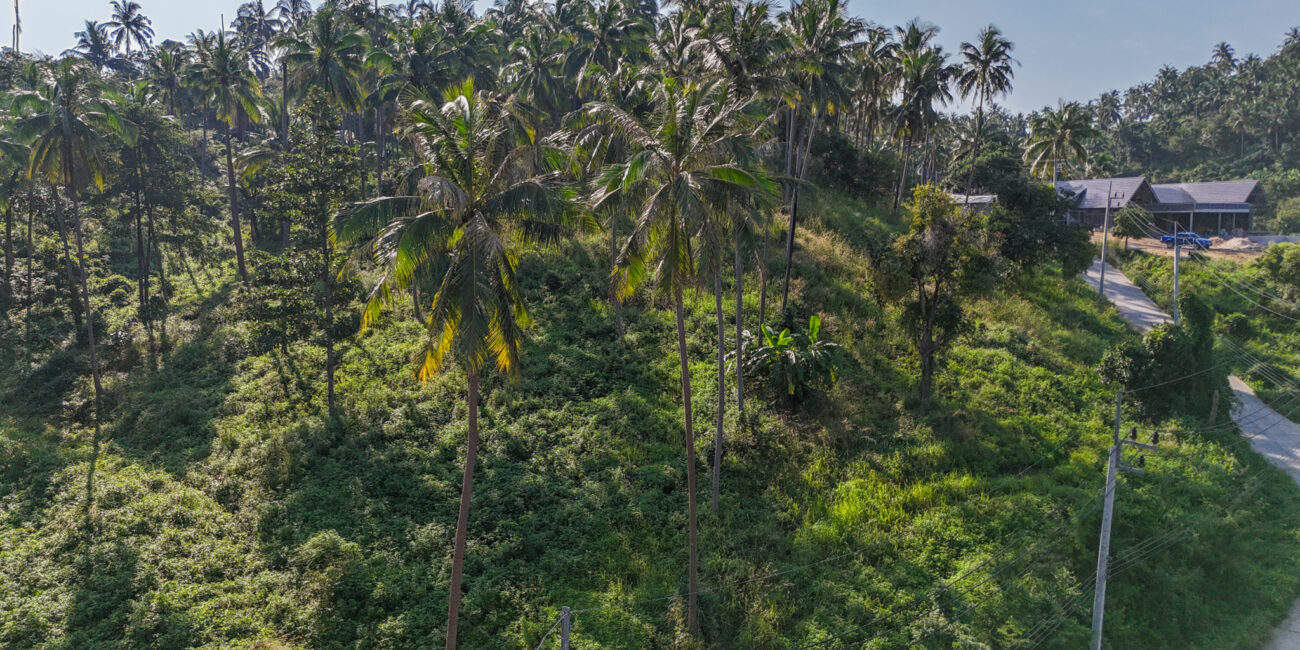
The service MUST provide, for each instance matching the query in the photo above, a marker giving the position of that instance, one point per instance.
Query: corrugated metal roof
(1090, 193)
(1211, 192)
(975, 199)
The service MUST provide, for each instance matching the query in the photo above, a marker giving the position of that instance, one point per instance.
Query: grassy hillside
(226, 512)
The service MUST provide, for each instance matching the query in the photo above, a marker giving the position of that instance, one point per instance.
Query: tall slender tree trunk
(613, 266)
(31, 254)
(284, 103)
(90, 315)
(739, 272)
(380, 142)
(692, 605)
(801, 172)
(7, 291)
(74, 301)
(902, 174)
(232, 191)
(327, 278)
(975, 149)
(763, 275)
(720, 420)
(462, 520)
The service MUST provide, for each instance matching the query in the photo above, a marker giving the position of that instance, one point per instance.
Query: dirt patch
(1237, 248)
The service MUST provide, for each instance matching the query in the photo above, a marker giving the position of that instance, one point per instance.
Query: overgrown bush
(793, 364)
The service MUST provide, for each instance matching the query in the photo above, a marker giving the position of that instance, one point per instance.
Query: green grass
(228, 513)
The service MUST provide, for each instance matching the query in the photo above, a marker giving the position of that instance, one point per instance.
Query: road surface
(1271, 435)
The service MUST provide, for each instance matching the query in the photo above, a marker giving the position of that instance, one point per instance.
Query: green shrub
(792, 364)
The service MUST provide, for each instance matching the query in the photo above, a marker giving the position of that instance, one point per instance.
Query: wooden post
(1214, 406)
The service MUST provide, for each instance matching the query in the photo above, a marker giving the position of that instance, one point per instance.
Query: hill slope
(226, 512)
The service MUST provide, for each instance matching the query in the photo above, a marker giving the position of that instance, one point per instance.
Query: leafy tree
(930, 271)
(1174, 370)
(1131, 221)
(478, 195)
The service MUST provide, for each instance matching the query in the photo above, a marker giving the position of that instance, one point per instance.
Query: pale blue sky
(1070, 51)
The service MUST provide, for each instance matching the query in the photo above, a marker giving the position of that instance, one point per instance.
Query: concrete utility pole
(1107, 514)
(566, 622)
(1105, 239)
(1178, 250)
(1108, 511)
(18, 26)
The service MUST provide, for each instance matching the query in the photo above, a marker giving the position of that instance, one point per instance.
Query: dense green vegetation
(1256, 307)
(381, 326)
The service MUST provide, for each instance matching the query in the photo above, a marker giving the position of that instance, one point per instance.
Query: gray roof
(1171, 193)
(1090, 193)
(1212, 192)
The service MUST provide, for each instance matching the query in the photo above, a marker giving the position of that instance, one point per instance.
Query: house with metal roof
(1216, 207)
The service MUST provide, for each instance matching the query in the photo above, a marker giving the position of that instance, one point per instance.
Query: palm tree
(1223, 57)
(328, 55)
(128, 25)
(221, 74)
(167, 75)
(986, 73)
(257, 27)
(684, 166)
(475, 197)
(1058, 136)
(292, 13)
(819, 44)
(94, 45)
(923, 81)
(66, 126)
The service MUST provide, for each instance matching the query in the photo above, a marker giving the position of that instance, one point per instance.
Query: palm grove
(315, 168)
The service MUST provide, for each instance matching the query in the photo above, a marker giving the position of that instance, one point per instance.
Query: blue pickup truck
(1186, 239)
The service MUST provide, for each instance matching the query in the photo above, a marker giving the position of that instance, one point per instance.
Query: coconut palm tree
(1058, 137)
(167, 69)
(924, 75)
(1223, 57)
(67, 125)
(221, 75)
(474, 197)
(130, 25)
(820, 39)
(328, 53)
(986, 72)
(684, 165)
(94, 45)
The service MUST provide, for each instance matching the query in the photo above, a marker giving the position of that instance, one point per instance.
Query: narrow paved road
(1271, 434)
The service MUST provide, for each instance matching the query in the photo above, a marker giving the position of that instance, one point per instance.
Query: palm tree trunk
(462, 520)
(975, 149)
(380, 141)
(7, 290)
(692, 606)
(284, 103)
(902, 174)
(801, 172)
(233, 193)
(613, 266)
(327, 278)
(762, 275)
(739, 272)
(74, 301)
(720, 420)
(90, 316)
(31, 253)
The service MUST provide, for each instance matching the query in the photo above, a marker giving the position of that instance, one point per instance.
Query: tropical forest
(607, 324)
